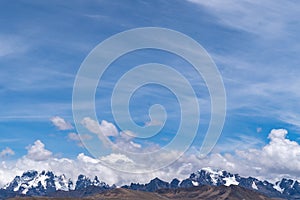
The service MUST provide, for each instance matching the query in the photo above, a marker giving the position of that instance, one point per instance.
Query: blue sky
(43, 43)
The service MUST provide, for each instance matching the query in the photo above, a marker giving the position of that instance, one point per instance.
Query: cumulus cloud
(122, 140)
(104, 128)
(279, 158)
(6, 152)
(61, 123)
(37, 152)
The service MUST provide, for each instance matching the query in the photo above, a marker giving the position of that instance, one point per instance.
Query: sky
(254, 45)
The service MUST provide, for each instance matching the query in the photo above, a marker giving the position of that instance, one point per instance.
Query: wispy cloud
(241, 142)
(78, 139)
(267, 19)
(154, 122)
(11, 45)
(261, 78)
(6, 152)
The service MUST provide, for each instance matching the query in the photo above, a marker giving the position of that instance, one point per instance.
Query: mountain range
(46, 183)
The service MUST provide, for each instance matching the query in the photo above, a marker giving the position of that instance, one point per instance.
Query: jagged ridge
(45, 183)
(285, 188)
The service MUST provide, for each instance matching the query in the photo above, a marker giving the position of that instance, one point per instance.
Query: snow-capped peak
(208, 176)
(211, 171)
(35, 181)
(62, 183)
(45, 182)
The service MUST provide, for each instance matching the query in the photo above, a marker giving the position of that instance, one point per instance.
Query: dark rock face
(186, 183)
(156, 184)
(152, 186)
(174, 183)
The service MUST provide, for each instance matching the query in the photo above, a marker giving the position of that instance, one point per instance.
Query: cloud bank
(279, 158)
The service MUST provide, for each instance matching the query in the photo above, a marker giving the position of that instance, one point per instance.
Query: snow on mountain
(44, 183)
(195, 183)
(208, 176)
(38, 182)
(277, 187)
(254, 186)
(84, 182)
(230, 181)
(62, 183)
(288, 187)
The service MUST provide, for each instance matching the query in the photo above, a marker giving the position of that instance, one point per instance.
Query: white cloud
(37, 152)
(123, 139)
(105, 128)
(280, 156)
(117, 158)
(7, 152)
(61, 123)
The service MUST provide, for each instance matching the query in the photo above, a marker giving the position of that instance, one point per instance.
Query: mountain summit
(46, 183)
